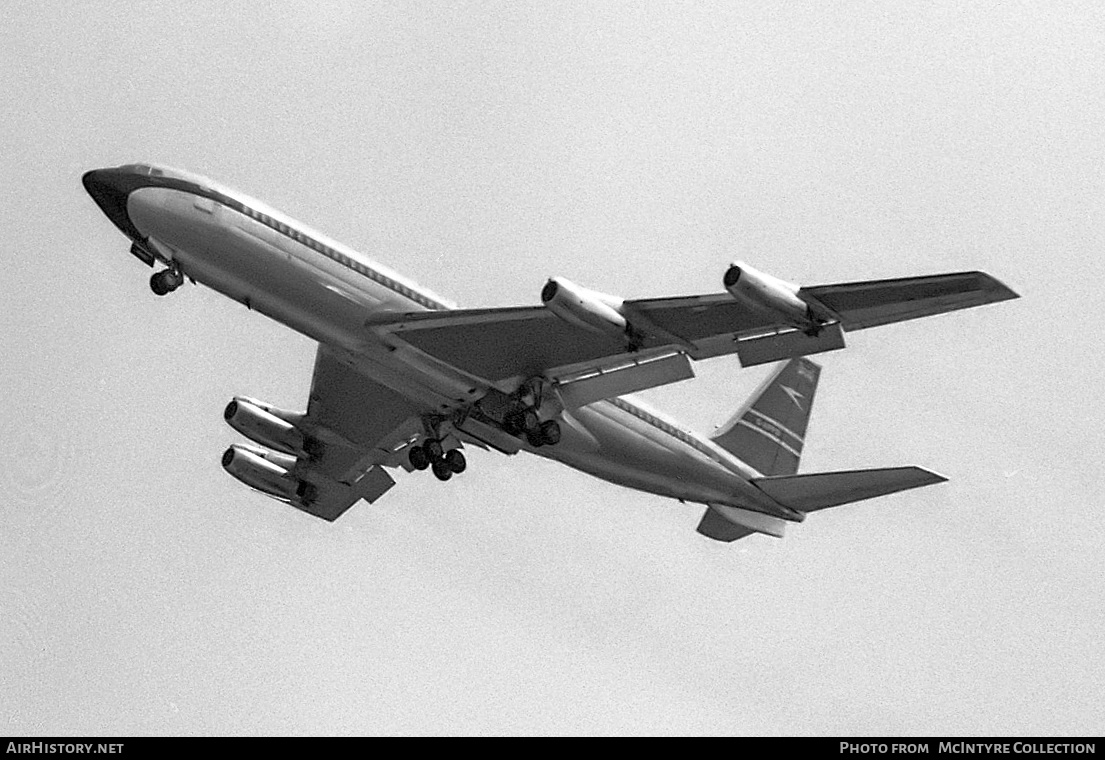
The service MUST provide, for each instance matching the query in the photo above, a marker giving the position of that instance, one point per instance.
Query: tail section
(769, 431)
(768, 435)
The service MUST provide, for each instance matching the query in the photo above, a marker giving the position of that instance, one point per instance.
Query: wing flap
(333, 499)
(789, 344)
(634, 375)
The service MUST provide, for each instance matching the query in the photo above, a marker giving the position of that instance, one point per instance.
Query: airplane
(403, 379)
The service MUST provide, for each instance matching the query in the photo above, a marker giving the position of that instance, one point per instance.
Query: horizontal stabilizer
(819, 490)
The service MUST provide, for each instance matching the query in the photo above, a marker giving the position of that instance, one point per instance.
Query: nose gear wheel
(166, 281)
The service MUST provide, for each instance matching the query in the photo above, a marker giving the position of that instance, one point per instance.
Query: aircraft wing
(880, 302)
(520, 342)
(504, 346)
(360, 425)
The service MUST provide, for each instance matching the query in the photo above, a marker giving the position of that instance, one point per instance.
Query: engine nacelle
(769, 294)
(267, 471)
(258, 424)
(584, 308)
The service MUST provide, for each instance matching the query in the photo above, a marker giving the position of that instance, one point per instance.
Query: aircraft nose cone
(110, 188)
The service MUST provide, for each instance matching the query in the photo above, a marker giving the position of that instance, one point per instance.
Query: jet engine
(259, 424)
(585, 308)
(267, 471)
(765, 293)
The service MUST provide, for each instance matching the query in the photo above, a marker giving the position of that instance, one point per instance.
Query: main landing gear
(517, 415)
(445, 464)
(537, 433)
(522, 420)
(166, 281)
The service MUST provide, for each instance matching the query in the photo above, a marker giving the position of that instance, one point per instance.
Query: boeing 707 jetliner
(404, 379)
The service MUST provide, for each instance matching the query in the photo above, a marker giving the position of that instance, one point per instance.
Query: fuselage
(281, 268)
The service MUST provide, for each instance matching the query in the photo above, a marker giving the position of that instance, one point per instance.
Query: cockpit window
(146, 169)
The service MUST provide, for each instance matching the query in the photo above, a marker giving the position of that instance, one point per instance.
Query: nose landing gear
(166, 281)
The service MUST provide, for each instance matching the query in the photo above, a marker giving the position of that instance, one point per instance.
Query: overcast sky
(480, 148)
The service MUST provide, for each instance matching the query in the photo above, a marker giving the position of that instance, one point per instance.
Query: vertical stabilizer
(769, 431)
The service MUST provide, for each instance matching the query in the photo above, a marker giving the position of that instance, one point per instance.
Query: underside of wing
(359, 423)
(504, 346)
(879, 302)
(327, 459)
(356, 417)
(500, 344)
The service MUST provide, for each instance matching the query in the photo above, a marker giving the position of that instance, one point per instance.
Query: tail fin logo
(794, 396)
(767, 433)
